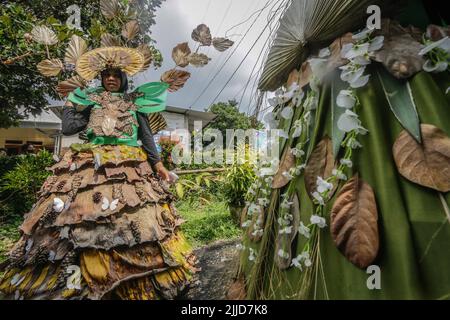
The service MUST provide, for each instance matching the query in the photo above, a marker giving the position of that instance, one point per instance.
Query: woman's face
(111, 80)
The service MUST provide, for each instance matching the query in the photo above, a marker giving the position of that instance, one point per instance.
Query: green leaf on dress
(401, 101)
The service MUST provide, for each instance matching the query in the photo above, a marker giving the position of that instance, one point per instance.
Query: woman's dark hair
(122, 75)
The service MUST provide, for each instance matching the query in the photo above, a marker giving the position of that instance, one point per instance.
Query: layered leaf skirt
(104, 227)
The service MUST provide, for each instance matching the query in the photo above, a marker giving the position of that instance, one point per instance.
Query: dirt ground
(218, 262)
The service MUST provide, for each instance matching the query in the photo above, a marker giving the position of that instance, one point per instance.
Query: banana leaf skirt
(104, 227)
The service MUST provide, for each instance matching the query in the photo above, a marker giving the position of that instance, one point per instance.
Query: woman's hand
(162, 171)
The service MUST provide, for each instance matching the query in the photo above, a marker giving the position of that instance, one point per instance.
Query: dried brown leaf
(202, 34)
(198, 59)
(222, 44)
(175, 78)
(336, 60)
(427, 164)
(294, 77)
(180, 54)
(77, 47)
(320, 164)
(50, 68)
(130, 30)
(287, 162)
(353, 222)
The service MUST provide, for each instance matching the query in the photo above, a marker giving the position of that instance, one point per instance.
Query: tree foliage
(228, 116)
(21, 85)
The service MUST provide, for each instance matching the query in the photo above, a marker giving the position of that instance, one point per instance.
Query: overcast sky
(175, 21)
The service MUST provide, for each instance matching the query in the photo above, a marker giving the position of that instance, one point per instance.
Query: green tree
(228, 116)
(20, 82)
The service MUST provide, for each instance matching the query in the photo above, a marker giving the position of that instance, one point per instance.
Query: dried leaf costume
(358, 206)
(104, 225)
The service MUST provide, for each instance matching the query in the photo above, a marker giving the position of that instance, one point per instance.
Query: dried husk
(175, 78)
(427, 164)
(353, 222)
(180, 54)
(50, 68)
(320, 164)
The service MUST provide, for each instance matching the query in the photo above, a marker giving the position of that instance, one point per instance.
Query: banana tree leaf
(401, 102)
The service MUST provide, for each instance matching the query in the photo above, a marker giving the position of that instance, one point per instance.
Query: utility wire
(229, 57)
(245, 57)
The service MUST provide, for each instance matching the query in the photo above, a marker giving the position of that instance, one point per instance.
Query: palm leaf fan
(50, 68)
(44, 35)
(67, 86)
(108, 40)
(76, 48)
(109, 8)
(146, 51)
(130, 30)
(310, 23)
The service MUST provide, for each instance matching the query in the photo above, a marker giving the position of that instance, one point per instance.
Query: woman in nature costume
(357, 205)
(104, 225)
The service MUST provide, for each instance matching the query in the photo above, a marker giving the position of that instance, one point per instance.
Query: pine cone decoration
(68, 260)
(41, 256)
(128, 129)
(134, 226)
(97, 197)
(61, 185)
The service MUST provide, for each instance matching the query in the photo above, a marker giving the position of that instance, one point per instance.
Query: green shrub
(19, 186)
(238, 179)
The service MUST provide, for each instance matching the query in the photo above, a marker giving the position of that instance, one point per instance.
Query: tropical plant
(238, 180)
(203, 187)
(19, 187)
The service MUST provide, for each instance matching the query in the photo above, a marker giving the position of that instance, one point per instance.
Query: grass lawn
(206, 223)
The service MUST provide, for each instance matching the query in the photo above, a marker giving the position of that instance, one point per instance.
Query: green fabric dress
(414, 230)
